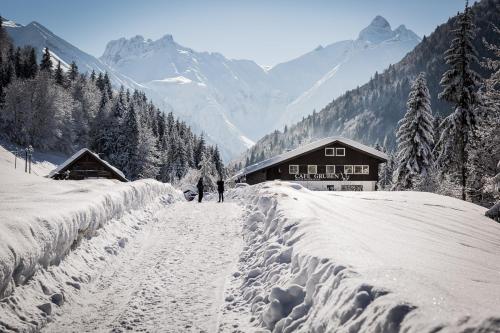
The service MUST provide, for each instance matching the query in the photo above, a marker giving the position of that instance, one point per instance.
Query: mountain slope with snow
(326, 73)
(234, 102)
(370, 113)
(38, 36)
(237, 101)
(227, 99)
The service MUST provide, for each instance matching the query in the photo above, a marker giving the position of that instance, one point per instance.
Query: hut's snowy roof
(79, 153)
(310, 147)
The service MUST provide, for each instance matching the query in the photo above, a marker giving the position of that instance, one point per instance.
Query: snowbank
(43, 220)
(364, 262)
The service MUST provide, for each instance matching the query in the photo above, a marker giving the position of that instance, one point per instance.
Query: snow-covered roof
(309, 147)
(79, 153)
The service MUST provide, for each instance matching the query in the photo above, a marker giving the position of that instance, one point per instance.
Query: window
(293, 169)
(340, 151)
(348, 169)
(351, 187)
(358, 169)
(330, 169)
(329, 151)
(312, 169)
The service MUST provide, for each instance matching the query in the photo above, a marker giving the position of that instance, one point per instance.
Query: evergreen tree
(59, 75)
(459, 88)
(2, 79)
(217, 160)
(86, 104)
(179, 160)
(415, 136)
(107, 84)
(207, 171)
(100, 82)
(46, 63)
(199, 151)
(147, 155)
(131, 132)
(18, 63)
(73, 71)
(485, 155)
(386, 172)
(31, 64)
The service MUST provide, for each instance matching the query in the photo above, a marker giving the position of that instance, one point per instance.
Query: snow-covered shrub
(190, 180)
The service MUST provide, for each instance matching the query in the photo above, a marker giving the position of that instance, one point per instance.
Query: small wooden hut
(85, 164)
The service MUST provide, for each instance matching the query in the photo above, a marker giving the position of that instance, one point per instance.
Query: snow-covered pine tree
(30, 65)
(386, 171)
(199, 150)
(180, 163)
(207, 171)
(46, 63)
(107, 84)
(131, 133)
(86, 98)
(484, 158)
(460, 84)
(101, 138)
(219, 166)
(59, 76)
(494, 211)
(148, 164)
(415, 137)
(73, 72)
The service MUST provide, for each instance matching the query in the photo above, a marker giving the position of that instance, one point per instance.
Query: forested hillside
(48, 108)
(370, 113)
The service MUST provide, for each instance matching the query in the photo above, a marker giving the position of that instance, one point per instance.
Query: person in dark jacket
(220, 189)
(200, 189)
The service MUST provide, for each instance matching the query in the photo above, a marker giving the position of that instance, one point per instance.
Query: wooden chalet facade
(86, 164)
(333, 164)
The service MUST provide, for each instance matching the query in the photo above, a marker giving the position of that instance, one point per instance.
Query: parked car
(190, 193)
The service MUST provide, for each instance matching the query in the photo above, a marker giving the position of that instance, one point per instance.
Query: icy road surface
(168, 279)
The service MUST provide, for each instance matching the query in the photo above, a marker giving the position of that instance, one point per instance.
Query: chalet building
(86, 164)
(329, 164)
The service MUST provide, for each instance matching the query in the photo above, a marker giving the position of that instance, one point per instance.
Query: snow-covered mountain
(228, 99)
(234, 102)
(38, 36)
(238, 101)
(327, 72)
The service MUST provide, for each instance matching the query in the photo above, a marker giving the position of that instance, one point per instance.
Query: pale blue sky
(268, 32)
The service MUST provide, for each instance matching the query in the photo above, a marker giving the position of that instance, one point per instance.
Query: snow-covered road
(170, 278)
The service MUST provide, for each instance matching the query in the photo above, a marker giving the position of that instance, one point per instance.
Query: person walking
(220, 189)
(200, 189)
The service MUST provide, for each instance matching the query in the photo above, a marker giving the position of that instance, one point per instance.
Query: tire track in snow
(168, 279)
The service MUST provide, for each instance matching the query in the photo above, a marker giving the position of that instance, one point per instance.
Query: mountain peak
(381, 22)
(167, 38)
(379, 30)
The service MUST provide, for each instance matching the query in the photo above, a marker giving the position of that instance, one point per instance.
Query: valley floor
(168, 279)
(105, 256)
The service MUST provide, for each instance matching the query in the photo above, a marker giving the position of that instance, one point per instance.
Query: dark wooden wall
(86, 166)
(317, 157)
